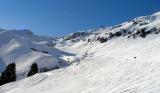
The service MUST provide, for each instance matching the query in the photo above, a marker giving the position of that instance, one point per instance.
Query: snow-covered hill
(121, 59)
(24, 48)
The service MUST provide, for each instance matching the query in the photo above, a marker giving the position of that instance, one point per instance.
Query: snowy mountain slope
(107, 76)
(125, 62)
(17, 47)
(138, 27)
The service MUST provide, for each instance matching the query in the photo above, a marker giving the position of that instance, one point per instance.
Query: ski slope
(120, 65)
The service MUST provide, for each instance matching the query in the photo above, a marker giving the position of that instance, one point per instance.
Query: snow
(120, 65)
(157, 14)
(16, 49)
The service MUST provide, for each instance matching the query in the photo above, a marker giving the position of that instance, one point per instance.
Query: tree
(1, 82)
(9, 75)
(33, 70)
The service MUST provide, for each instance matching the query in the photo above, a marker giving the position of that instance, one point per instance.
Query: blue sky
(61, 17)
